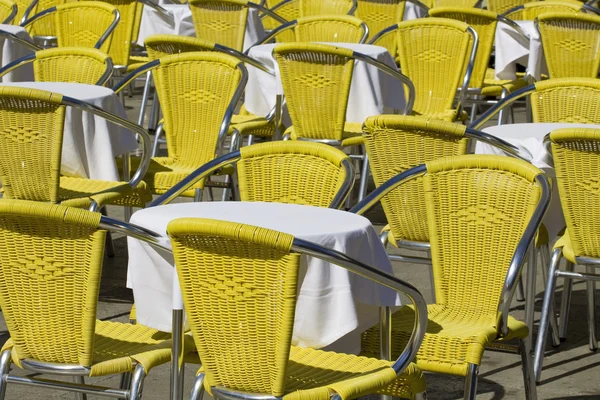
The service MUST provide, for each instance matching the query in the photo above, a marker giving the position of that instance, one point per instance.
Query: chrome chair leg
(144, 99)
(5, 360)
(591, 300)
(364, 175)
(137, 382)
(565, 303)
(530, 294)
(81, 381)
(198, 389)
(520, 295)
(527, 365)
(125, 380)
(421, 396)
(156, 143)
(471, 382)
(198, 195)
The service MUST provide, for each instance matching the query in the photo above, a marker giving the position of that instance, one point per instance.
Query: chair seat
(567, 248)
(352, 135)
(454, 338)
(493, 86)
(391, 238)
(250, 124)
(447, 115)
(119, 347)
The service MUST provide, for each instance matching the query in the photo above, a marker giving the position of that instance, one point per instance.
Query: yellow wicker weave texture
(571, 100)
(21, 7)
(289, 11)
(397, 143)
(137, 22)
(120, 47)
(6, 9)
(484, 23)
(454, 3)
(30, 143)
(501, 6)
(571, 44)
(576, 154)
(45, 26)
(163, 45)
(316, 82)
(50, 277)
(69, 64)
(221, 21)
(330, 28)
(291, 172)
(320, 7)
(239, 289)
(535, 9)
(83, 23)
(434, 53)
(380, 14)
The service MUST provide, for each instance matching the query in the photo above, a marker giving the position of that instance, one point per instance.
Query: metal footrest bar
(71, 387)
(503, 347)
(578, 275)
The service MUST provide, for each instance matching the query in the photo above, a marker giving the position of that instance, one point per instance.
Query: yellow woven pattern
(78, 192)
(477, 208)
(501, 6)
(329, 28)
(247, 123)
(83, 23)
(571, 100)
(571, 44)
(120, 46)
(6, 9)
(289, 11)
(137, 22)
(291, 172)
(21, 7)
(221, 21)
(316, 82)
(434, 53)
(380, 14)
(164, 45)
(535, 9)
(576, 154)
(454, 3)
(397, 143)
(69, 64)
(319, 7)
(45, 26)
(484, 23)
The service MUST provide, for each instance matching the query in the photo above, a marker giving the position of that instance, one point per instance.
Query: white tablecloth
(372, 92)
(531, 137)
(90, 143)
(12, 51)
(154, 23)
(513, 49)
(332, 302)
(411, 11)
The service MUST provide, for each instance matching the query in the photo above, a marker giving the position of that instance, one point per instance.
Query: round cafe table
(12, 51)
(333, 303)
(90, 143)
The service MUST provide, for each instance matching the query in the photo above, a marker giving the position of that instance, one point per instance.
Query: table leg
(177, 356)
(278, 116)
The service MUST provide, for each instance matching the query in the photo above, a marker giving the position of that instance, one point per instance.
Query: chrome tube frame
(22, 42)
(108, 73)
(508, 100)
(16, 64)
(344, 191)
(268, 12)
(512, 10)
(28, 11)
(514, 151)
(237, 96)
(353, 8)
(71, 387)
(514, 25)
(37, 16)
(365, 35)
(245, 58)
(109, 30)
(591, 8)
(469, 71)
(420, 5)
(163, 12)
(382, 33)
(12, 15)
(273, 34)
(134, 74)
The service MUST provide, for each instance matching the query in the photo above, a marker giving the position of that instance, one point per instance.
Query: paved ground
(569, 372)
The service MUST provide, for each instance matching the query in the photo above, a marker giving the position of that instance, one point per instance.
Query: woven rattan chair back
(571, 44)
(329, 28)
(70, 64)
(120, 47)
(288, 10)
(316, 83)
(455, 3)
(83, 23)
(45, 26)
(484, 23)
(330, 7)
(164, 45)
(221, 21)
(21, 8)
(396, 143)
(501, 6)
(434, 54)
(6, 10)
(195, 90)
(531, 11)
(30, 143)
(478, 208)
(49, 280)
(576, 155)
(570, 100)
(379, 14)
(290, 171)
(239, 289)
(137, 22)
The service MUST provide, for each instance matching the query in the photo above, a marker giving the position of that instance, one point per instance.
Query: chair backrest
(31, 136)
(120, 47)
(532, 10)
(221, 21)
(571, 100)
(501, 6)
(50, 279)
(137, 22)
(434, 53)
(478, 208)
(396, 143)
(316, 82)
(288, 10)
(571, 44)
(576, 155)
(83, 24)
(195, 90)
(484, 23)
(289, 171)
(163, 45)
(330, 7)
(45, 26)
(21, 8)
(71, 64)
(330, 28)
(239, 287)
(7, 14)
(379, 14)
(455, 3)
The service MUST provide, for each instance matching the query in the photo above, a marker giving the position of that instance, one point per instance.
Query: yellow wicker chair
(576, 154)
(67, 64)
(244, 336)
(379, 15)
(316, 82)
(31, 147)
(501, 6)
(532, 10)
(198, 93)
(437, 55)
(571, 44)
(288, 10)
(49, 284)
(8, 11)
(21, 7)
(483, 214)
(43, 31)
(456, 3)
(321, 28)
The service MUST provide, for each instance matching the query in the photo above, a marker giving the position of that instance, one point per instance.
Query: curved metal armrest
(107, 74)
(135, 231)
(516, 95)
(589, 7)
(470, 65)
(382, 33)
(394, 74)
(123, 123)
(382, 278)
(344, 191)
(515, 151)
(28, 11)
(512, 10)
(42, 14)
(245, 58)
(366, 31)
(353, 8)
(275, 7)
(515, 26)
(21, 41)
(16, 64)
(268, 12)
(162, 11)
(12, 15)
(134, 74)
(516, 264)
(273, 34)
(108, 31)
